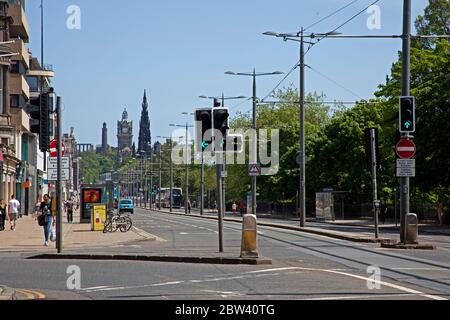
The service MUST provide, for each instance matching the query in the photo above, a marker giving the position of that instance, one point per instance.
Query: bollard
(249, 247)
(412, 229)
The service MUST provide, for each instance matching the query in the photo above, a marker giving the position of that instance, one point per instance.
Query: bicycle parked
(117, 221)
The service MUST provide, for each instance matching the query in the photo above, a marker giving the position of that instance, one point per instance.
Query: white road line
(271, 270)
(365, 297)
(383, 283)
(167, 283)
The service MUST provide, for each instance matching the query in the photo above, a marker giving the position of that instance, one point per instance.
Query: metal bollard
(412, 229)
(249, 247)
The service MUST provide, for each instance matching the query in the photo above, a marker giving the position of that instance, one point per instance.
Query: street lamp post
(169, 139)
(302, 182)
(254, 147)
(186, 161)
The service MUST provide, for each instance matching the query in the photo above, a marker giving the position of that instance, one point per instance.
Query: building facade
(124, 137)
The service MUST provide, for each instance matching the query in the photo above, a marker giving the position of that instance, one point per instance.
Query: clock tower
(124, 136)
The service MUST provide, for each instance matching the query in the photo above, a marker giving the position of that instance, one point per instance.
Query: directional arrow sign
(205, 144)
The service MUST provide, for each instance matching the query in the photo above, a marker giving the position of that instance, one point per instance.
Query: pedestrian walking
(215, 205)
(189, 206)
(234, 208)
(69, 210)
(440, 212)
(2, 214)
(383, 212)
(47, 217)
(241, 208)
(13, 210)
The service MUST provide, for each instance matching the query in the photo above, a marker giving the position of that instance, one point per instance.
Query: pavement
(29, 237)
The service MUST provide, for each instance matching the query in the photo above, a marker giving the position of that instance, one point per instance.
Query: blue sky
(180, 49)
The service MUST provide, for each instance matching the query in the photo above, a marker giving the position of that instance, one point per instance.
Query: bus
(165, 198)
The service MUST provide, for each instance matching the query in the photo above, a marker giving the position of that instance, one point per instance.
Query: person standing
(69, 210)
(2, 214)
(189, 206)
(46, 206)
(234, 208)
(440, 212)
(14, 206)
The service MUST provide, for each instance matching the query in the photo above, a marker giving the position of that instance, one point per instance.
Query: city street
(304, 267)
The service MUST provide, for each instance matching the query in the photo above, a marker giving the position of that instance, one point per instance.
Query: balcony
(20, 27)
(20, 119)
(41, 73)
(19, 47)
(19, 85)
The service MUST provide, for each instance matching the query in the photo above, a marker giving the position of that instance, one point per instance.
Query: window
(33, 83)
(15, 100)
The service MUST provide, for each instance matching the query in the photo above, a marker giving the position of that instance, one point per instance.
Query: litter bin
(412, 228)
(98, 217)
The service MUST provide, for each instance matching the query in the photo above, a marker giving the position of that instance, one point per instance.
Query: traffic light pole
(186, 200)
(219, 168)
(59, 239)
(302, 192)
(254, 147)
(202, 185)
(160, 178)
(376, 205)
(171, 178)
(406, 75)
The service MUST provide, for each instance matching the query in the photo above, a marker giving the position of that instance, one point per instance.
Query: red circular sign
(54, 149)
(406, 149)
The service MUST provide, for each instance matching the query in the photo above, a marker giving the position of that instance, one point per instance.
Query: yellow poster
(98, 217)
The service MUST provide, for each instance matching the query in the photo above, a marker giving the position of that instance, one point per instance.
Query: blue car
(126, 205)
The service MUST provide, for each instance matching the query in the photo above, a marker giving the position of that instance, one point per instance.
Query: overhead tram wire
(312, 44)
(343, 24)
(335, 82)
(330, 15)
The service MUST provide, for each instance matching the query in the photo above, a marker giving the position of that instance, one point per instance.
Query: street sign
(54, 149)
(53, 174)
(52, 163)
(224, 174)
(254, 170)
(406, 168)
(406, 149)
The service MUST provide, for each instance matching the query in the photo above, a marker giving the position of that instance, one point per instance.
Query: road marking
(383, 283)
(422, 269)
(167, 283)
(365, 297)
(271, 270)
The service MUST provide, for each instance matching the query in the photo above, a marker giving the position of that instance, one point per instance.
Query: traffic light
(44, 122)
(221, 116)
(407, 115)
(203, 125)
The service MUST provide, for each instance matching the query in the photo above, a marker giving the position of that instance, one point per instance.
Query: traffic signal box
(40, 109)
(204, 125)
(221, 126)
(407, 115)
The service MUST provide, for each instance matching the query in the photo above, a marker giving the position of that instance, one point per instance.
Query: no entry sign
(406, 149)
(54, 149)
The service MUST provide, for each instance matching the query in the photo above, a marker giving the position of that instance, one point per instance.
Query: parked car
(126, 205)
